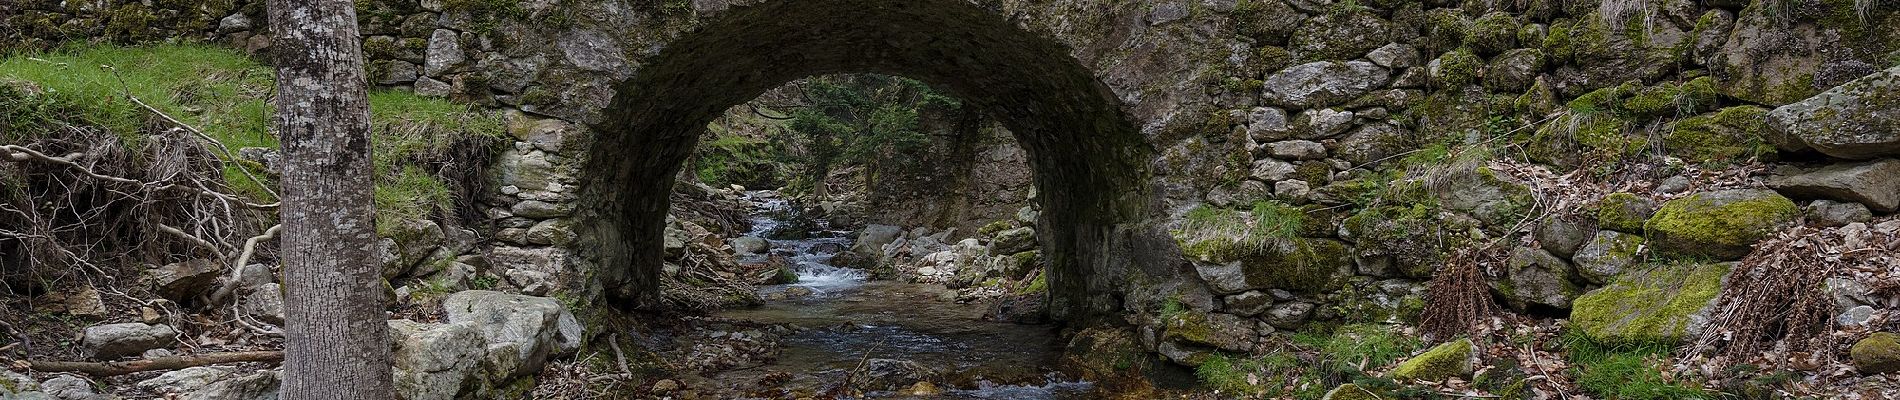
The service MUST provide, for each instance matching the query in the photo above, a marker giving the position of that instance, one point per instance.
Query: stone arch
(1089, 160)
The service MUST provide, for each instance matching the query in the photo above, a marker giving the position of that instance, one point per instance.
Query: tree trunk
(337, 344)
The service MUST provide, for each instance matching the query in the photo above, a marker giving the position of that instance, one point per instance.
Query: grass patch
(1209, 230)
(1312, 363)
(1630, 371)
(223, 93)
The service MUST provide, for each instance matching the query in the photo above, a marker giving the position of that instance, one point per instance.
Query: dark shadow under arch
(1089, 161)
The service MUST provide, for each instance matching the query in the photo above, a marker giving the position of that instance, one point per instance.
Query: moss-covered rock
(1414, 237)
(1217, 330)
(1607, 255)
(1667, 303)
(1855, 120)
(1879, 353)
(1497, 200)
(1448, 360)
(1297, 264)
(1624, 212)
(1455, 68)
(1721, 137)
(1720, 224)
(1351, 392)
(1493, 33)
(1534, 277)
(1340, 36)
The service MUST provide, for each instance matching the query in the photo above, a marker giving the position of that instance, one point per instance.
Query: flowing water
(843, 325)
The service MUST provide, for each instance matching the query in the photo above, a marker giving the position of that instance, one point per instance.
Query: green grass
(1314, 362)
(1217, 229)
(224, 93)
(1625, 371)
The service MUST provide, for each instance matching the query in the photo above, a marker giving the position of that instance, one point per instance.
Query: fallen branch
(114, 368)
(17, 153)
(244, 258)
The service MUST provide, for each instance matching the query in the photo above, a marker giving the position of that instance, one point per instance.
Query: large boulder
(521, 332)
(1721, 224)
(435, 361)
(1217, 330)
(260, 385)
(1534, 277)
(106, 342)
(1856, 120)
(750, 245)
(1323, 83)
(1665, 304)
(1875, 184)
(185, 380)
(872, 238)
(1607, 255)
(1497, 200)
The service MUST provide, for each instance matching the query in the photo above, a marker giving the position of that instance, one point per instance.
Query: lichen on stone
(1720, 224)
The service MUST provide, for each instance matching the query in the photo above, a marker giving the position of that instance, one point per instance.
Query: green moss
(1654, 305)
(1723, 137)
(1351, 392)
(1877, 353)
(1699, 226)
(1300, 265)
(1458, 68)
(1451, 359)
(1187, 326)
(1038, 285)
(994, 227)
(1623, 212)
(1493, 33)
(1558, 43)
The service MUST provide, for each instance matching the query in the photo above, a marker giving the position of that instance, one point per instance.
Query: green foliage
(1627, 371)
(408, 195)
(1038, 285)
(1312, 362)
(872, 120)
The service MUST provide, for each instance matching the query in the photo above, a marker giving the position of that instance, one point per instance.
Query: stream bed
(837, 334)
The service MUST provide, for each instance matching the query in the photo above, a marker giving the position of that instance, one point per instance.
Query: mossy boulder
(1340, 36)
(1666, 303)
(1351, 392)
(1448, 360)
(1297, 264)
(1493, 33)
(1415, 238)
(1499, 201)
(1624, 212)
(1720, 137)
(1879, 353)
(1720, 224)
(1455, 68)
(1216, 330)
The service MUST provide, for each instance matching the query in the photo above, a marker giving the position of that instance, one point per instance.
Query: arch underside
(1089, 161)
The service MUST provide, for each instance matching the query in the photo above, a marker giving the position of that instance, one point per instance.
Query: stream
(840, 326)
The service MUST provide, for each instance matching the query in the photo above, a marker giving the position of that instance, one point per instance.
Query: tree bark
(337, 344)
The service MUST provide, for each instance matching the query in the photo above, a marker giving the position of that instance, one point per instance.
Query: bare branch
(115, 368)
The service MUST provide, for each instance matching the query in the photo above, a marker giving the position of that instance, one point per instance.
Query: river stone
(1607, 255)
(1536, 277)
(16, 386)
(235, 22)
(1834, 213)
(435, 361)
(1323, 82)
(1721, 224)
(888, 374)
(1014, 241)
(539, 209)
(1856, 120)
(1879, 353)
(70, 387)
(1875, 184)
(261, 385)
(1664, 304)
(750, 245)
(872, 238)
(185, 380)
(106, 342)
(521, 332)
(184, 280)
